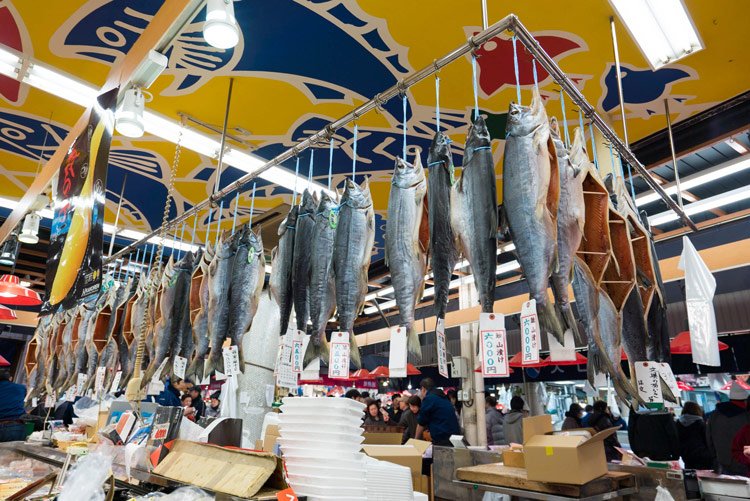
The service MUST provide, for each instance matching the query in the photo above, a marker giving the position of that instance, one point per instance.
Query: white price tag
(34, 402)
(286, 377)
(179, 366)
(648, 383)
(338, 362)
(99, 381)
(116, 382)
(298, 350)
(154, 387)
(70, 395)
(529, 333)
(494, 346)
(397, 354)
(665, 371)
(80, 383)
(442, 353)
(50, 400)
(159, 370)
(231, 360)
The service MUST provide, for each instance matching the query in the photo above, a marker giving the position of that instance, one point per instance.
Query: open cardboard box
(269, 439)
(408, 455)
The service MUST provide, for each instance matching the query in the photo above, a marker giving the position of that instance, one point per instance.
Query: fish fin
(549, 320)
(571, 323)
(503, 233)
(196, 367)
(412, 343)
(213, 364)
(354, 351)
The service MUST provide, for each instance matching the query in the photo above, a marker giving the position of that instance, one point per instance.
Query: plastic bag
(181, 494)
(663, 494)
(87, 409)
(86, 481)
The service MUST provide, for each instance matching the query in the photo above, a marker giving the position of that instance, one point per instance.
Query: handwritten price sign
(530, 332)
(442, 352)
(494, 346)
(338, 362)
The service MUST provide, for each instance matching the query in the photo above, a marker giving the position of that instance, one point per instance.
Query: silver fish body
(352, 252)
(474, 212)
(281, 268)
(219, 280)
(303, 235)
(182, 334)
(404, 254)
(530, 204)
(322, 282)
(200, 320)
(163, 327)
(443, 253)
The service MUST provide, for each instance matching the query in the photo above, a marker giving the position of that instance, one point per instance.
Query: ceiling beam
(159, 33)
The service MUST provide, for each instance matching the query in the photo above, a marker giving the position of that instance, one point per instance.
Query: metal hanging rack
(508, 23)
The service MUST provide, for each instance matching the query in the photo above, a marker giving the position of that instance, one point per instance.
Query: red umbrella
(380, 371)
(580, 360)
(13, 293)
(7, 314)
(361, 374)
(684, 386)
(3, 362)
(680, 344)
(411, 370)
(517, 361)
(742, 383)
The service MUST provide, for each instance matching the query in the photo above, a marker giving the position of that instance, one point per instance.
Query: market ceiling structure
(301, 64)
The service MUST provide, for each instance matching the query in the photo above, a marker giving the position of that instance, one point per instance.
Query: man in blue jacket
(12, 396)
(437, 414)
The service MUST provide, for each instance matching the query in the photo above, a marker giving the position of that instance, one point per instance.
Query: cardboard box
(514, 458)
(537, 425)
(382, 438)
(237, 472)
(421, 445)
(269, 439)
(565, 459)
(404, 455)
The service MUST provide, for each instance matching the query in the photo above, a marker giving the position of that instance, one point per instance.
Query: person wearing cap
(214, 406)
(723, 425)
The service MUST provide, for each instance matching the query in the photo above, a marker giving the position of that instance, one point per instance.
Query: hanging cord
(565, 120)
(404, 107)
(474, 82)
(310, 168)
(580, 126)
(330, 164)
(630, 176)
(533, 69)
(236, 206)
(354, 157)
(593, 145)
(218, 223)
(252, 206)
(151, 259)
(208, 226)
(515, 67)
(612, 159)
(195, 225)
(182, 236)
(296, 176)
(437, 102)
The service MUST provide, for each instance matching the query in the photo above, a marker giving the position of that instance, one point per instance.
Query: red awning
(361, 375)
(684, 386)
(411, 370)
(3, 362)
(742, 383)
(380, 371)
(7, 313)
(517, 361)
(680, 344)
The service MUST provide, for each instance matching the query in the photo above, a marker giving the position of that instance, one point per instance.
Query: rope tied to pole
(515, 67)
(565, 120)
(593, 146)
(252, 205)
(330, 164)
(533, 69)
(354, 155)
(437, 102)
(403, 100)
(296, 176)
(474, 82)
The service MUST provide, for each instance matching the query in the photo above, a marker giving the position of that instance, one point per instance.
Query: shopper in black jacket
(692, 432)
(600, 420)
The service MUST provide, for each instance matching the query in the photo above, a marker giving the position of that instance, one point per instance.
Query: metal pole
(674, 155)
(484, 14)
(223, 135)
(509, 22)
(619, 80)
(117, 216)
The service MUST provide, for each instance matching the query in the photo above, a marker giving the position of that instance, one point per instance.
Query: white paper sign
(648, 383)
(50, 400)
(154, 387)
(562, 352)
(80, 383)
(338, 362)
(286, 377)
(70, 395)
(179, 366)
(99, 381)
(442, 352)
(298, 350)
(231, 360)
(157, 374)
(397, 354)
(529, 333)
(494, 346)
(34, 402)
(665, 371)
(115, 382)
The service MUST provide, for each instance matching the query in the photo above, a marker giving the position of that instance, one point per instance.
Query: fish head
(554, 128)
(255, 242)
(326, 203)
(524, 120)
(356, 196)
(579, 159)
(406, 175)
(479, 135)
(308, 205)
(440, 151)
(290, 221)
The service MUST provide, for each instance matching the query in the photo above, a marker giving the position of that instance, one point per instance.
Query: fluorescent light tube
(662, 29)
(9, 63)
(708, 175)
(704, 205)
(68, 88)
(736, 146)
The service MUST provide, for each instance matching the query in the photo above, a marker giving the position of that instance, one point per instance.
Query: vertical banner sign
(494, 347)
(529, 333)
(298, 350)
(74, 264)
(648, 383)
(338, 362)
(442, 352)
(397, 353)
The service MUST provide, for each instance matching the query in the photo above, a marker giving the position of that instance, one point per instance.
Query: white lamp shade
(129, 116)
(220, 29)
(30, 231)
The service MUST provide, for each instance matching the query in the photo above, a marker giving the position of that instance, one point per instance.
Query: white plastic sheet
(700, 286)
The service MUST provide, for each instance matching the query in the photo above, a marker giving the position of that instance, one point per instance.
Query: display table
(513, 481)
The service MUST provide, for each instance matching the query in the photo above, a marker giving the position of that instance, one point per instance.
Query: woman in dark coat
(573, 417)
(691, 428)
(600, 420)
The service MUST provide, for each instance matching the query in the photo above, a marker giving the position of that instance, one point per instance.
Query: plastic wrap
(86, 480)
(181, 494)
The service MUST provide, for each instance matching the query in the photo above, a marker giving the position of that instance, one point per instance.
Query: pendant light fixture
(220, 29)
(7, 314)
(129, 115)
(30, 230)
(9, 250)
(13, 293)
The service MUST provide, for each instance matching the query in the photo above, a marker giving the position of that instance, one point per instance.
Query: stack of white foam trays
(321, 441)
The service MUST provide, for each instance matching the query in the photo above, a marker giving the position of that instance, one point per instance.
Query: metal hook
(437, 68)
(329, 131)
(402, 87)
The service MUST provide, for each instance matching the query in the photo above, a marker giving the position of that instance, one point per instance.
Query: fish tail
(571, 323)
(549, 320)
(213, 364)
(412, 343)
(196, 367)
(354, 351)
(315, 348)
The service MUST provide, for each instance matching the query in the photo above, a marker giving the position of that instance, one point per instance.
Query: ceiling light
(9, 251)
(11, 292)
(7, 313)
(149, 70)
(736, 146)
(30, 230)
(129, 115)
(704, 205)
(220, 29)
(662, 29)
(711, 174)
(9, 63)
(68, 88)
